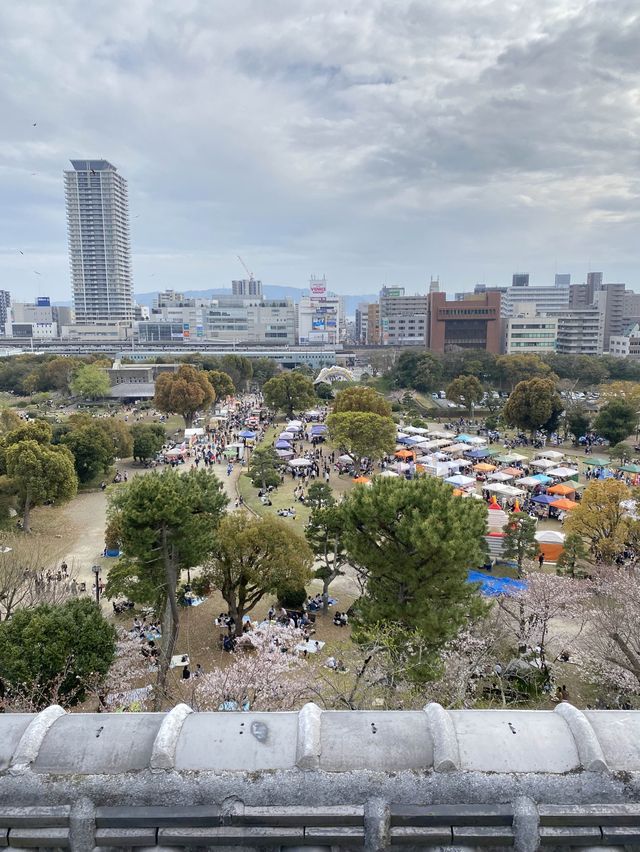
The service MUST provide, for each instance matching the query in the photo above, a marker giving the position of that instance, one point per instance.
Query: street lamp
(96, 571)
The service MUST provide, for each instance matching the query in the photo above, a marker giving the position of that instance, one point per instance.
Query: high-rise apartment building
(247, 288)
(5, 312)
(403, 319)
(99, 249)
(527, 331)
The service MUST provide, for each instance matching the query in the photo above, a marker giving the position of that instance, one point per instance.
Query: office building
(581, 331)
(360, 326)
(520, 279)
(320, 315)
(528, 331)
(403, 319)
(40, 319)
(562, 279)
(626, 345)
(373, 324)
(473, 323)
(247, 288)
(547, 299)
(5, 313)
(612, 299)
(99, 250)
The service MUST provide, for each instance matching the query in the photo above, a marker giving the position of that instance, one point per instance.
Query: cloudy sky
(372, 140)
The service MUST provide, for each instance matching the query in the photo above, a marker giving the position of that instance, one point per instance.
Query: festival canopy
(564, 504)
(542, 463)
(464, 438)
(562, 490)
(501, 488)
(406, 439)
(460, 480)
(284, 454)
(362, 479)
(300, 463)
(542, 478)
(631, 468)
(544, 499)
(405, 454)
(510, 458)
(476, 439)
(562, 472)
(297, 423)
(514, 471)
(246, 433)
(530, 481)
(595, 462)
(447, 435)
(453, 449)
(416, 430)
(500, 476)
(550, 537)
(387, 473)
(483, 467)
(478, 454)
(319, 427)
(282, 445)
(286, 436)
(550, 454)
(312, 413)
(345, 459)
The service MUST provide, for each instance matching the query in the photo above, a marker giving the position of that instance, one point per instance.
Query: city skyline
(375, 144)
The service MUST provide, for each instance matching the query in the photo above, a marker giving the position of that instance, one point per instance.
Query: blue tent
(545, 499)
(478, 454)
(464, 438)
(246, 433)
(282, 445)
(542, 478)
(319, 427)
(493, 587)
(407, 440)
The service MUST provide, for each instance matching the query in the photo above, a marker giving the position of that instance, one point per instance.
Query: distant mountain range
(271, 291)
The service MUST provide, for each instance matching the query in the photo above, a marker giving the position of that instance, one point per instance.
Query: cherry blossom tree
(126, 685)
(265, 672)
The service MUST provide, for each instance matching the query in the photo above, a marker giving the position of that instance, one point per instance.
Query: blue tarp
(542, 478)
(282, 445)
(493, 587)
(477, 454)
(246, 433)
(545, 499)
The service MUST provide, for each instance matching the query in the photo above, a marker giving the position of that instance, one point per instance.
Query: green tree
(148, 439)
(263, 370)
(92, 450)
(55, 654)
(622, 452)
(39, 473)
(264, 466)
(361, 398)
(253, 557)
(119, 435)
(419, 370)
(320, 495)
(465, 390)
(90, 382)
(362, 435)
(578, 420)
(9, 420)
(616, 420)
(513, 369)
(572, 562)
(600, 518)
(413, 542)
(323, 390)
(289, 392)
(185, 391)
(238, 368)
(221, 383)
(519, 542)
(167, 523)
(325, 535)
(534, 404)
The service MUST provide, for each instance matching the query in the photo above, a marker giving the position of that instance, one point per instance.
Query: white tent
(562, 472)
(345, 459)
(500, 476)
(542, 463)
(299, 463)
(550, 454)
(454, 449)
(505, 490)
(550, 537)
(448, 435)
(387, 473)
(477, 440)
(529, 481)
(415, 430)
(460, 480)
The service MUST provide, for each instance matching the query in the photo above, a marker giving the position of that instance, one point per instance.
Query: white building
(626, 345)
(528, 331)
(547, 300)
(320, 315)
(99, 251)
(581, 331)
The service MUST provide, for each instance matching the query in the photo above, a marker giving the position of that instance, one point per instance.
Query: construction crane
(246, 268)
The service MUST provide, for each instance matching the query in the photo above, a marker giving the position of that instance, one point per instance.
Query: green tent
(597, 462)
(631, 468)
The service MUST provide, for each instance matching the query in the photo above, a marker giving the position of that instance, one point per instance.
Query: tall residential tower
(99, 249)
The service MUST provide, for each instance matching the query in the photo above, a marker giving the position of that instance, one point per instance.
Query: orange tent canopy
(563, 503)
(513, 471)
(361, 479)
(405, 454)
(562, 489)
(457, 492)
(483, 467)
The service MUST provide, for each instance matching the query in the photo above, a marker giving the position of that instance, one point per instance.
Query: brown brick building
(472, 323)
